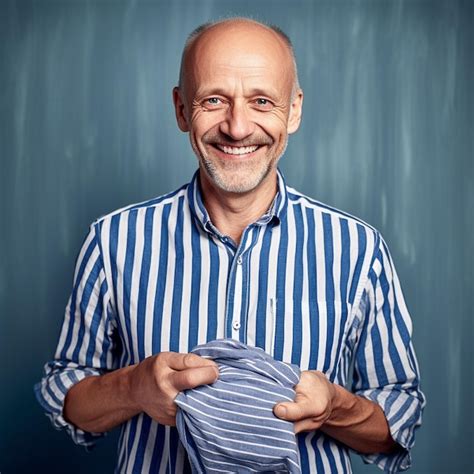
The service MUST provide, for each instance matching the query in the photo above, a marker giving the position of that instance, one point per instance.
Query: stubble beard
(238, 176)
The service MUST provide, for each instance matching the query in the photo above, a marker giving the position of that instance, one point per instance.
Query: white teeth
(237, 150)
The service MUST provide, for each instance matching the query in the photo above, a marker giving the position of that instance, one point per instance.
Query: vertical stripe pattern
(310, 285)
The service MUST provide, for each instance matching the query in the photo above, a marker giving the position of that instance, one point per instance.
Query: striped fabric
(310, 285)
(229, 426)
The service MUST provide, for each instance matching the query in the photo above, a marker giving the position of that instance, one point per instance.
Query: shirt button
(239, 260)
(236, 325)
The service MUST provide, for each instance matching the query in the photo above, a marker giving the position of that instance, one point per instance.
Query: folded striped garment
(229, 426)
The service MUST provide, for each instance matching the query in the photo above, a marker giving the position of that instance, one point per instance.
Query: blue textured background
(87, 126)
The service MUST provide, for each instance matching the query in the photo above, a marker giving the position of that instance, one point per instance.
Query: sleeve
(385, 365)
(86, 343)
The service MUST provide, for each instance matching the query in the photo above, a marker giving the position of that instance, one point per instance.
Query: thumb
(290, 411)
(192, 378)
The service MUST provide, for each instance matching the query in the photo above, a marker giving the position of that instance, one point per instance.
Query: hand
(155, 382)
(313, 402)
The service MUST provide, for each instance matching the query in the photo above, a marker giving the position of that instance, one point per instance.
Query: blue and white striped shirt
(309, 284)
(229, 425)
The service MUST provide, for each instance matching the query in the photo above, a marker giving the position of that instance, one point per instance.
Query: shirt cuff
(51, 393)
(402, 410)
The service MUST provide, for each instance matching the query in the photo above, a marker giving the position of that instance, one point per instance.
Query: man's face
(237, 105)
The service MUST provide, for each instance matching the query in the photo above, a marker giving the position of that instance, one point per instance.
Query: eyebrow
(265, 92)
(256, 91)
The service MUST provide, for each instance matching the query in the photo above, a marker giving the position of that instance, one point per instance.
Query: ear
(179, 110)
(296, 110)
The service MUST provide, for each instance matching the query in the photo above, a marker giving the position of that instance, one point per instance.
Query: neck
(231, 213)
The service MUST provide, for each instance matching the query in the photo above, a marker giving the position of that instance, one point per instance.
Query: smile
(237, 150)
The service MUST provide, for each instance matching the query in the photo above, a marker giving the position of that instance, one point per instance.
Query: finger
(294, 411)
(191, 378)
(178, 361)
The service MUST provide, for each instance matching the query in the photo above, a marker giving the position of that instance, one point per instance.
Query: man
(236, 254)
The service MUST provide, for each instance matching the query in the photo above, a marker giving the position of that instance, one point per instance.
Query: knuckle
(188, 360)
(191, 360)
(162, 358)
(157, 362)
(162, 363)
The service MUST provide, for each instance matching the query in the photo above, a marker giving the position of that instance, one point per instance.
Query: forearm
(358, 423)
(99, 403)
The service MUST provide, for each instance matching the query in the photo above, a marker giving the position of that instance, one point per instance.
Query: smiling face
(236, 102)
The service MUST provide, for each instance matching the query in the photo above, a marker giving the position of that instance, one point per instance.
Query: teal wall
(87, 126)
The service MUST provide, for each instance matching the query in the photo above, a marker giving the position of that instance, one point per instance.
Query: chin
(232, 185)
(236, 181)
(237, 187)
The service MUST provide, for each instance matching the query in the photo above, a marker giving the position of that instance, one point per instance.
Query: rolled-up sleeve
(86, 343)
(385, 369)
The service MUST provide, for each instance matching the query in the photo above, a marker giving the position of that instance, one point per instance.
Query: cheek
(274, 125)
(203, 122)
(277, 131)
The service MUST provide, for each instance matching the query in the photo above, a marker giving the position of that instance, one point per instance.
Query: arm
(100, 403)
(87, 340)
(359, 423)
(83, 390)
(386, 398)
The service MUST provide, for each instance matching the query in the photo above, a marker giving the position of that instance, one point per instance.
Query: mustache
(218, 138)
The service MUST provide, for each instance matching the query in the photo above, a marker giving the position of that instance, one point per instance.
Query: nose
(237, 123)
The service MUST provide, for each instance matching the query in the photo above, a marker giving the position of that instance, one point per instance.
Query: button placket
(233, 322)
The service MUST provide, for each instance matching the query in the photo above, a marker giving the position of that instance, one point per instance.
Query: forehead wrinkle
(248, 86)
(250, 76)
(240, 66)
(232, 71)
(237, 62)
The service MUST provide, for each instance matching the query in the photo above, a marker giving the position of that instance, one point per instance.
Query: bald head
(242, 34)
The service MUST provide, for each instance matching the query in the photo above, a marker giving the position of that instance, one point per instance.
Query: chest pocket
(309, 333)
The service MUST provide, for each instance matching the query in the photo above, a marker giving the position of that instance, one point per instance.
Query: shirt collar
(274, 215)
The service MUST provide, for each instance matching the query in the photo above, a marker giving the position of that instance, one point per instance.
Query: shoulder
(338, 232)
(155, 203)
(336, 216)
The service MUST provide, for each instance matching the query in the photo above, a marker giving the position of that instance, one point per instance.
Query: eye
(213, 101)
(263, 104)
